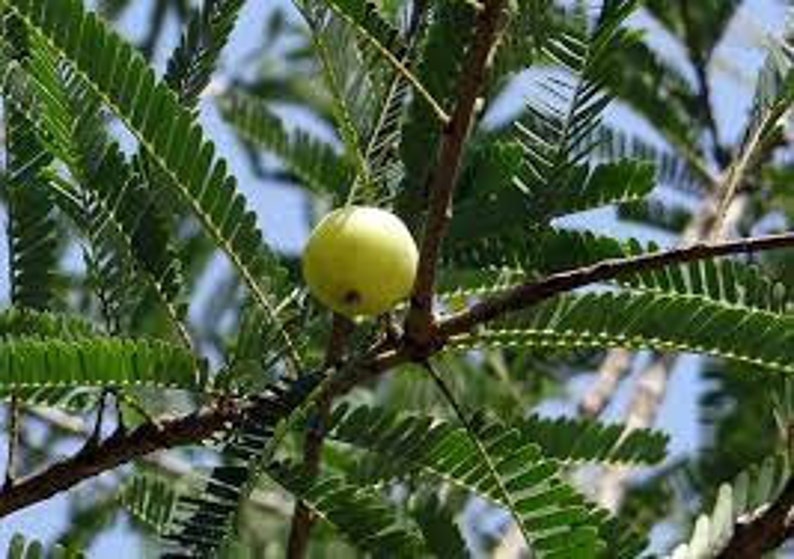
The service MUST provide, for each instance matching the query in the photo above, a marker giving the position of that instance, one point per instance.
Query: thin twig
(450, 398)
(490, 23)
(734, 176)
(529, 294)
(303, 518)
(13, 440)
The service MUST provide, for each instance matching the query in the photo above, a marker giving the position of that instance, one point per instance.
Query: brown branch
(303, 518)
(13, 440)
(118, 449)
(122, 447)
(490, 22)
(169, 465)
(529, 294)
(765, 532)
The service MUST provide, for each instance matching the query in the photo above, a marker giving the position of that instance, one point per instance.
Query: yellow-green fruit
(360, 261)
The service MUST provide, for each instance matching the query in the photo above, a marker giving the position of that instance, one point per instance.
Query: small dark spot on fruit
(352, 297)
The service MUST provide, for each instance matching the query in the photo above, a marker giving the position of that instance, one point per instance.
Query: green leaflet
(193, 61)
(528, 202)
(555, 518)
(439, 527)
(28, 324)
(646, 320)
(673, 169)
(386, 62)
(488, 173)
(69, 398)
(33, 232)
(668, 100)
(553, 177)
(708, 21)
(581, 440)
(532, 25)
(317, 167)
(150, 500)
(18, 323)
(362, 514)
(655, 213)
(349, 89)
(569, 440)
(100, 362)
(150, 228)
(69, 120)
(129, 248)
(364, 16)
(168, 131)
(556, 134)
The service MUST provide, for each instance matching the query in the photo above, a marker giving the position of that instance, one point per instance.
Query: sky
(280, 212)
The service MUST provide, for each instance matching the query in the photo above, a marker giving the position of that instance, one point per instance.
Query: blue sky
(280, 215)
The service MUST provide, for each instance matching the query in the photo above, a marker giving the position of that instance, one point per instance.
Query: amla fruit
(360, 261)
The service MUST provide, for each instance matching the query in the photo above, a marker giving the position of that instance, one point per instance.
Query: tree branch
(119, 448)
(490, 22)
(528, 294)
(122, 447)
(765, 532)
(168, 465)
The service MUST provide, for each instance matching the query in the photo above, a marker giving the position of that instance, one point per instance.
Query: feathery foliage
(316, 166)
(206, 524)
(553, 518)
(666, 323)
(32, 231)
(109, 362)
(191, 65)
(442, 52)
(394, 438)
(173, 139)
(551, 250)
(362, 514)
